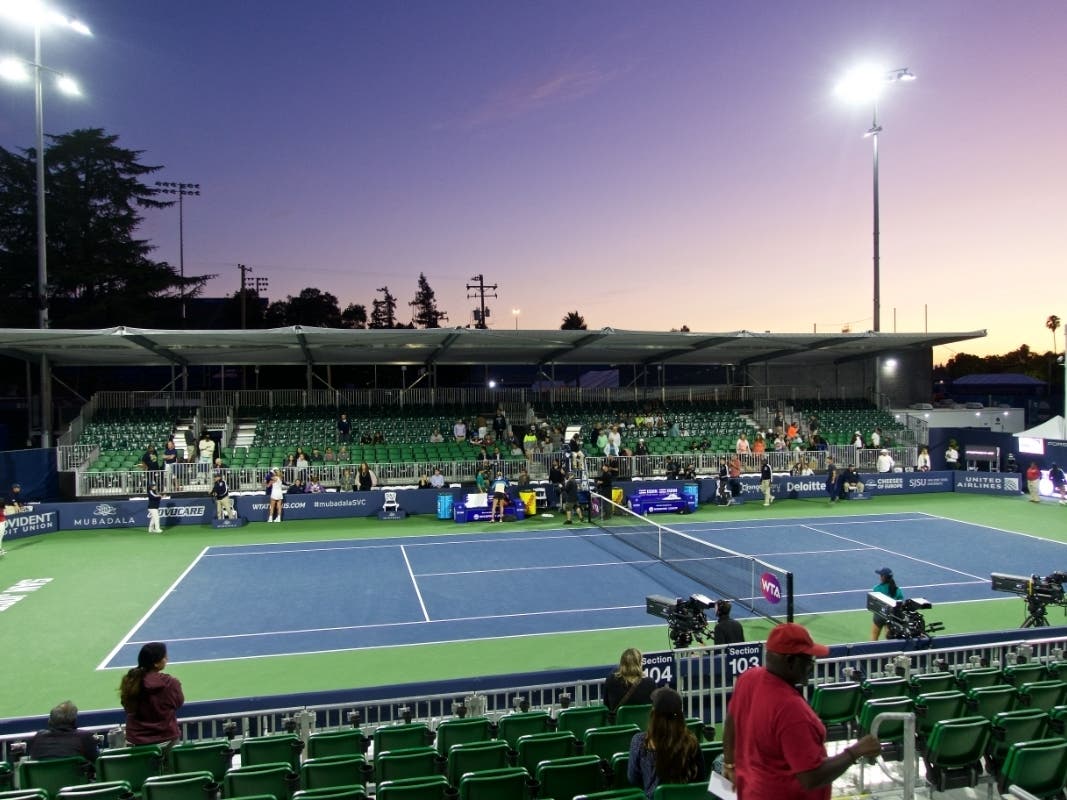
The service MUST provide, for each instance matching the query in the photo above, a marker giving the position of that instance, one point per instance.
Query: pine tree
(383, 314)
(426, 314)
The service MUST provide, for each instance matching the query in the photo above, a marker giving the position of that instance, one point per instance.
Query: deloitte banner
(873, 484)
(989, 482)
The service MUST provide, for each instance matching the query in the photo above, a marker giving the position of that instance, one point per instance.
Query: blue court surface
(313, 597)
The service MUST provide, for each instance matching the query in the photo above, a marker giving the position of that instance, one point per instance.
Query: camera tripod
(1036, 613)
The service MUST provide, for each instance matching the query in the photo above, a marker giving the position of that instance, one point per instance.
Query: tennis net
(757, 585)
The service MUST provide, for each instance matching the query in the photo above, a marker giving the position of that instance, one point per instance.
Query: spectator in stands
(437, 480)
(365, 438)
(522, 480)
(220, 491)
(329, 457)
(876, 438)
(150, 460)
(481, 428)
(765, 482)
(614, 441)
(459, 430)
(569, 494)
(779, 444)
(379, 438)
(1033, 482)
(170, 458)
(774, 745)
(219, 465)
(857, 441)
(347, 483)
(481, 481)
(793, 431)
(62, 739)
(689, 471)
(727, 630)
(154, 498)
(667, 752)
(343, 455)
(627, 684)
(885, 461)
(290, 467)
(529, 442)
(296, 487)
(314, 486)
(365, 478)
(151, 699)
(759, 446)
(277, 496)
(671, 468)
(742, 445)
(206, 448)
(316, 456)
(500, 424)
(302, 464)
(436, 437)
(344, 428)
(888, 587)
(922, 461)
(424, 482)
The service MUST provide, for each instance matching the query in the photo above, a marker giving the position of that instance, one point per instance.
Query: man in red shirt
(774, 745)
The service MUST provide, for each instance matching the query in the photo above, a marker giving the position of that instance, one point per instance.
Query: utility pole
(481, 312)
(180, 189)
(257, 285)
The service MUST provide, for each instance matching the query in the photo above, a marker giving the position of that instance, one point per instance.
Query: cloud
(534, 94)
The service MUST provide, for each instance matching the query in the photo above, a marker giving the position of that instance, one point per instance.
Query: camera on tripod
(1037, 592)
(686, 619)
(903, 618)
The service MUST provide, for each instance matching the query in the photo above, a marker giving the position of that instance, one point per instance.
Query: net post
(789, 597)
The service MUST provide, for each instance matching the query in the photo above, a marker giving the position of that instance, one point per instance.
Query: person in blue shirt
(499, 490)
(889, 588)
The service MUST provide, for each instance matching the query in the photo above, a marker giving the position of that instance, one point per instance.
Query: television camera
(686, 619)
(903, 618)
(1037, 592)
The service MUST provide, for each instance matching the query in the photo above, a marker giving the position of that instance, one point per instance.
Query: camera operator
(727, 630)
(889, 588)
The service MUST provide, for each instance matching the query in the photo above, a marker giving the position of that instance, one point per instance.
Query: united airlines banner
(990, 482)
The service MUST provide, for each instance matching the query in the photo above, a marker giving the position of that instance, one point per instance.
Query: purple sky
(646, 164)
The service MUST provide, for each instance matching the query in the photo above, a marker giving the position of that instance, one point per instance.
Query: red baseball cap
(790, 639)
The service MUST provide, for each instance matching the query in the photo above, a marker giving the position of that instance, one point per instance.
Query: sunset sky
(647, 164)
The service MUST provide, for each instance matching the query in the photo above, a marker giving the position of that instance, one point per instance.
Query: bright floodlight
(68, 85)
(14, 70)
(865, 84)
(33, 12)
(78, 26)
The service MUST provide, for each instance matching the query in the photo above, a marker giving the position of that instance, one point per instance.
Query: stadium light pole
(866, 85)
(182, 190)
(515, 312)
(37, 15)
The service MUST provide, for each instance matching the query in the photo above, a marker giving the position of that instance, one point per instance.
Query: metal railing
(71, 457)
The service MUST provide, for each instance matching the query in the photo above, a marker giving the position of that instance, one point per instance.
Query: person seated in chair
(848, 483)
(62, 739)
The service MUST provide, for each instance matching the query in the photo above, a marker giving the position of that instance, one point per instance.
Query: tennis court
(315, 597)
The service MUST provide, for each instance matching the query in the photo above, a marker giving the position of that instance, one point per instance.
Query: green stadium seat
(277, 780)
(606, 741)
(837, 704)
(681, 791)
(1018, 674)
(332, 793)
(533, 748)
(579, 720)
(976, 678)
(461, 731)
(475, 757)
(180, 786)
(891, 733)
(53, 774)
(1042, 694)
(512, 726)
(988, 701)
(330, 771)
(1038, 767)
(628, 793)
(343, 742)
(102, 790)
(954, 750)
(925, 683)
(1010, 727)
(408, 762)
(24, 794)
(277, 748)
(510, 783)
(878, 688)
(431, 787)
(570, 776)
(932, 707)
(633, 715)
(396, 737)
(214, 756)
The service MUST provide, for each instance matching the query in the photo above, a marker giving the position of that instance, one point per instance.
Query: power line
(482, 291)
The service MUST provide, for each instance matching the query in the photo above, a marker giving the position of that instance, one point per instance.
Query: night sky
(647, 164)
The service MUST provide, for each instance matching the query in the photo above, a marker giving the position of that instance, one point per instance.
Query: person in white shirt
(857, 442)
(876, 438)
(499, 492)
(922, 461)
(952, 456)
(742, 444)
(459, 431)
(437, 480)
(885, 461)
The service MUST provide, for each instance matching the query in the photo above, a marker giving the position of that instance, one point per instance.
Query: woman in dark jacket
(627, 685)
(151, 699)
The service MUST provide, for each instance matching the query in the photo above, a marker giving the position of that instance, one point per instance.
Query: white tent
(1050, 429)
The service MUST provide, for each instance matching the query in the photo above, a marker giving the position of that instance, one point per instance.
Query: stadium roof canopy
(451, 346)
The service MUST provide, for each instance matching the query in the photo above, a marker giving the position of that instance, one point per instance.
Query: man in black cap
(727, 629)
(774, 744)
(888, 587)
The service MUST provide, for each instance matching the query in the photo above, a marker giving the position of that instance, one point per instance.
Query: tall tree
(425, 313)
(99, 273)
(312, 307)
(355, 316)
(1053, 324)
(573, 321)
(383, 314)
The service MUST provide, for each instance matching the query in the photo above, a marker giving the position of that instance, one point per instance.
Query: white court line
(129, 635)
(899, 554)
(374, 625)
(415, 584)
(998, 530)
(544, 568)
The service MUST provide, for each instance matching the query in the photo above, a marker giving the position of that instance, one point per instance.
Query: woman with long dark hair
(151, 699)
(889, 588)
(667, 752)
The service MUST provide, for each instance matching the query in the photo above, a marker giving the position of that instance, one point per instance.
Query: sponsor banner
(659, 499)
(990, 482)
(873, 483)
(32, 520)
(659, 667)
